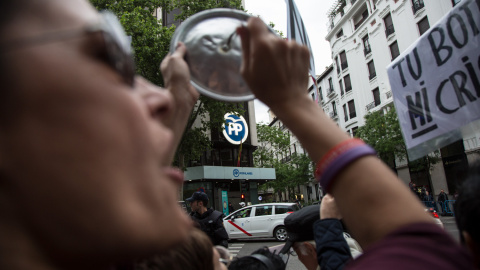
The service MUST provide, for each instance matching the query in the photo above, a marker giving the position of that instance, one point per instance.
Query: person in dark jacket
(208, 220)
(333, 251)
(429, 200)
(442, 199)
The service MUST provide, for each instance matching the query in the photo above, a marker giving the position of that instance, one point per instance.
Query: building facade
(365, 37)
(225, 172)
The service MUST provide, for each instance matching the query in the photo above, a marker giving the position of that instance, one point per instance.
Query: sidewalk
(450, 226)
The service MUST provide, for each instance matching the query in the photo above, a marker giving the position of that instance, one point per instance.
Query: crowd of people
(86, 148)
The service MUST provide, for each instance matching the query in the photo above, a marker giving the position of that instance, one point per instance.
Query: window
(423, 25)
(366, 46)
(320, 92)
(341, 87)
(351, 109)
(330, 84)
(389, 29)
(340, 33)
(243, 213)
(362, 19)
(338, 66)
(371, 70)
(334, 108)
(263, 210)
(348, 83)
(282, 209)
(394, 51)
(354, 131)
(343, 60)
(345, 112)
(417, 5)
(376, 96)
(313, 96)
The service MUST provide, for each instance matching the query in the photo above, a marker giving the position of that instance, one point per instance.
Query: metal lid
(214, 53)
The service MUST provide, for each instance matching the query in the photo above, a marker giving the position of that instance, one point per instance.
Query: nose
(159, 102)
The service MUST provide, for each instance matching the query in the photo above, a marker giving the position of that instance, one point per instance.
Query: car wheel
(280, 233)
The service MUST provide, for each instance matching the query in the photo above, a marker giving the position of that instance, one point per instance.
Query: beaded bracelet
(338, 158)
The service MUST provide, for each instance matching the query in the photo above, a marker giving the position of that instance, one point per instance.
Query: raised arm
(176, 75)
(370, 197)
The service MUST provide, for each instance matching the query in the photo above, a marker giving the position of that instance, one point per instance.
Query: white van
(259, 220)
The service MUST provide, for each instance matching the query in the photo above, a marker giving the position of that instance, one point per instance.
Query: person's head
(197, 252)
(84, 154)
(198, 201)
(441, 191)
(261, 259)
(426, 192)
(467, 212)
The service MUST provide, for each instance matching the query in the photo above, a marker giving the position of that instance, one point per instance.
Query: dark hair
(467, 205)
(252, 263)
(195, 253)
(9, 9)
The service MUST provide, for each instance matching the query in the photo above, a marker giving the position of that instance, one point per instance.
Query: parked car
(259, 220)
(435, 216)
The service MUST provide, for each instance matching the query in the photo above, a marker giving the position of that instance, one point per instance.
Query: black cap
(299, 225)
(198, 196)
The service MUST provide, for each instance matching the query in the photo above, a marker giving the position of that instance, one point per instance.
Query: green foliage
(150, 40)
(273, 142)
(190, 7)
(382, 132)
(273, 151)
(151, 43)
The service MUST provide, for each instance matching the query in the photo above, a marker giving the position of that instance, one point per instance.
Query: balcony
(417, 5)
(330, 92)
(370, 106)
(367, 50)
(372, 75)
(333, 115)
(364, 17)
(344, 65)
(389, 30)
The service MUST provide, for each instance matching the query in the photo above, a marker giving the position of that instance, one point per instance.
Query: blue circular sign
(236, 172)
(235, 128)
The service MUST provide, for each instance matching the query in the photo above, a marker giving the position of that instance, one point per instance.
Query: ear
(473, 247)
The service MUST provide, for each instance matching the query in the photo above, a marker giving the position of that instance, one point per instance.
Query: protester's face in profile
(86, 155)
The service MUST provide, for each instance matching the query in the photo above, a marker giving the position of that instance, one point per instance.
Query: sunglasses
(117, 43)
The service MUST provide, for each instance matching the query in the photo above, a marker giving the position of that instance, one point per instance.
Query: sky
(314, 15)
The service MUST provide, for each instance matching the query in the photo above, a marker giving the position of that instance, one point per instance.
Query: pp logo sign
(236, 172)
(235, 128)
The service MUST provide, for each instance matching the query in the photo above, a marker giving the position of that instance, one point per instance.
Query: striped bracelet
(338, 158)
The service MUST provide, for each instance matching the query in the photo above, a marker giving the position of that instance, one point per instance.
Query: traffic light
(243, 185)
(242, 197)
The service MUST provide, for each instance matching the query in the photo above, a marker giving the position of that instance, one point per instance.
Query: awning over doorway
(217, 172)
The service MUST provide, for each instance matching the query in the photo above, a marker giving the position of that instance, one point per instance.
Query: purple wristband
(343, 160)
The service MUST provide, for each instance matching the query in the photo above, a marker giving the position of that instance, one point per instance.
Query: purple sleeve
(416, 246)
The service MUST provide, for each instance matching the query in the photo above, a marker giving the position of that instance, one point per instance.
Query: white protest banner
(436, 81)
